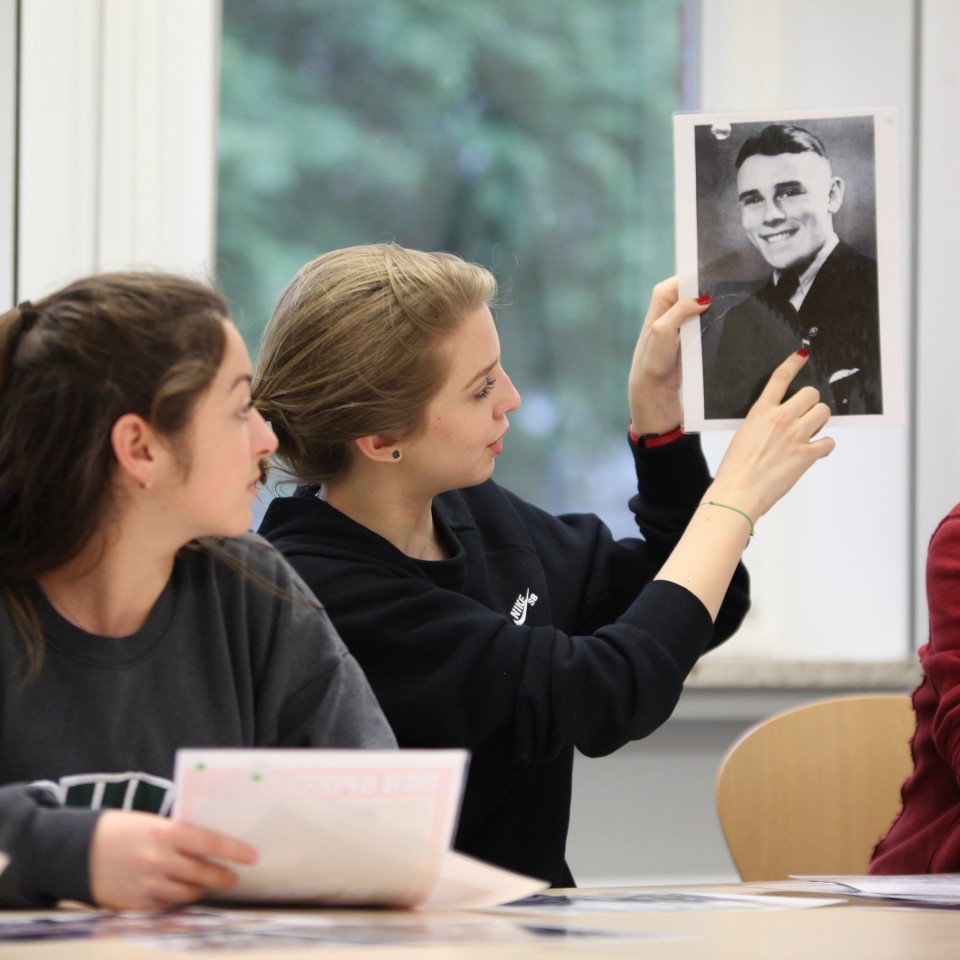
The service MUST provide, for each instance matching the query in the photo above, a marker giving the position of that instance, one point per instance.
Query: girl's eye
(488, 383)
(245, 409)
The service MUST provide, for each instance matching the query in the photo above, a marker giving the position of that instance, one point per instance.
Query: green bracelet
(727, 506)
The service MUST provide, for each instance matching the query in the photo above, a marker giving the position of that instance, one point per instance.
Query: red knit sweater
(925, 837)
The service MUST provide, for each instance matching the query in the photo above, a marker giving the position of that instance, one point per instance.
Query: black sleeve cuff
(675, 474)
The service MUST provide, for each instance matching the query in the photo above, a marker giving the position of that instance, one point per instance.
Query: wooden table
(852, 931)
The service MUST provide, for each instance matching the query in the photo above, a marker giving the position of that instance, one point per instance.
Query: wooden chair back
(811, 790)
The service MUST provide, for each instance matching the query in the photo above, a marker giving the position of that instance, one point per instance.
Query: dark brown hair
(70, 365)
(779, 138)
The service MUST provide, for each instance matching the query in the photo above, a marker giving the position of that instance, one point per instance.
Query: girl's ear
(135, 448)
(378, 448)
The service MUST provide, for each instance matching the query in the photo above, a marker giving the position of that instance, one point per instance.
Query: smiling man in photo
(821, 294)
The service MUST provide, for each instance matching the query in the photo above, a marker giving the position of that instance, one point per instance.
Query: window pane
(528, 135)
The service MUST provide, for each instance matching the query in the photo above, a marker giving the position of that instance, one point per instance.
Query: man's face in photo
(787, 203)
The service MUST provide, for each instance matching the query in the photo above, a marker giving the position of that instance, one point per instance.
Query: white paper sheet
(714, 256)
(644, 901)
(342, 826)
(941, 887)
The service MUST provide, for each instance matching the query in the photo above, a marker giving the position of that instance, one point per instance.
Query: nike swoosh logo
(523, 616)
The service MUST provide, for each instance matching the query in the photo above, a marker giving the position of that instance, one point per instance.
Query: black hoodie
(538, 635)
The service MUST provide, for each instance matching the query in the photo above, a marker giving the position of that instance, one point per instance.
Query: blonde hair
(353, 349)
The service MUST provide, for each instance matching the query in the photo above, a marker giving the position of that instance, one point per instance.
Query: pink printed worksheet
(367, 827)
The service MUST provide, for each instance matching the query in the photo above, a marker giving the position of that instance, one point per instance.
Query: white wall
(117, 138)
(937, 424)
(8, 147)
(831, 575)
(648, 813)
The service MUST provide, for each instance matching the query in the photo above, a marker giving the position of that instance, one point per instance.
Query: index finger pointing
(782, 377)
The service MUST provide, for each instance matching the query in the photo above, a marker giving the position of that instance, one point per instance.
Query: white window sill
(747, 690)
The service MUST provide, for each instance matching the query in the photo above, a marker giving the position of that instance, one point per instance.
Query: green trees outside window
(533, 136)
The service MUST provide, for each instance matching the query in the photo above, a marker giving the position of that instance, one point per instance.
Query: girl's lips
(496, 448)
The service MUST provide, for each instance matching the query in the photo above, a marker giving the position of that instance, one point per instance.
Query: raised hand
(140, 861)
(773, 447)
(767, 455)
(654, 384)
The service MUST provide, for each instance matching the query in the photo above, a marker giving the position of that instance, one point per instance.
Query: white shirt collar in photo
(810, 274)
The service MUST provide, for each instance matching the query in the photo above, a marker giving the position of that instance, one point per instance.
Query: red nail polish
(704, 299)
(803, 352)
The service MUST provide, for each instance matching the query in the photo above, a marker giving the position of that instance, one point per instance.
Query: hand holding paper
(342, 826)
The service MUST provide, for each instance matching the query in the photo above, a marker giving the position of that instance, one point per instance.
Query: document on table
(371, 827)
(210, 930)
(941, 888)
(640, 901)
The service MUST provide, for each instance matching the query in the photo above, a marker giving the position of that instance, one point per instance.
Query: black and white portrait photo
(783, 216)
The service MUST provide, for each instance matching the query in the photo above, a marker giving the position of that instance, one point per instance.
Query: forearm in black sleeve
(671, 481)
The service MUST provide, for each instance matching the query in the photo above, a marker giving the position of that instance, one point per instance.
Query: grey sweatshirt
(222, 661)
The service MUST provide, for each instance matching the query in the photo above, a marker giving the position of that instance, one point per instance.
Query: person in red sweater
(925, 837)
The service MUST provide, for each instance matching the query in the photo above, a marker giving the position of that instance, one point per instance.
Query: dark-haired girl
(134, 617)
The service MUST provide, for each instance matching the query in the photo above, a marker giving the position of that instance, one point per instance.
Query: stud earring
(147, 484)
(395, 454)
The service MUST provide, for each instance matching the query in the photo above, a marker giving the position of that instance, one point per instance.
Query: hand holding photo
(790, 224)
